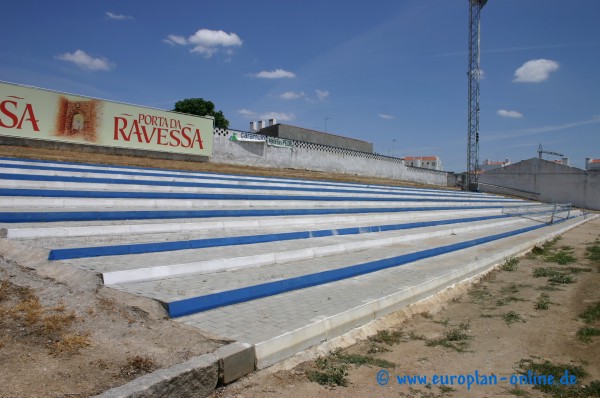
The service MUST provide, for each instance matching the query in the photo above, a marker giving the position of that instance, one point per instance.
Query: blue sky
(387, 71)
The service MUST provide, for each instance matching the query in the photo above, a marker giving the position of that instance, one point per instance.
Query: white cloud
(174, 39)
(86, 61)
(537, 130)
(535, 71)
(291, 95)
(385, 116)
(322, 94)
(511, 114)
(120, 17)
(214, 38)
(284, 117)
(207, 42)
(247, 113)
(275, 74)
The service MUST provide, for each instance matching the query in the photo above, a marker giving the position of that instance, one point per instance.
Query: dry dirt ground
(58, 339)
(506, 323)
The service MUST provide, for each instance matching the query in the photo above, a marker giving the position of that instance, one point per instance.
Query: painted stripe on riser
(60, 193)
(243, 177)
(29, 177)
(157, 247)
(204, 303)
(28, 217)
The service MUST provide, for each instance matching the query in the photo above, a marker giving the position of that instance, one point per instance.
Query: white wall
(307, 156)
(545, 181)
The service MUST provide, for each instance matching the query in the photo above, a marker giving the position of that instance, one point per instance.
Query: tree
(202, 107)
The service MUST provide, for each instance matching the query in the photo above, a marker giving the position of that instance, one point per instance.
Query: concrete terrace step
(114, 230)
(17, 215)
(145, 266)
(199, 238)
(281, 325)
(44, 165)
(350, 253)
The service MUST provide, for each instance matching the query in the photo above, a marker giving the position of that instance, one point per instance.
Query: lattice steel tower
(472, 177)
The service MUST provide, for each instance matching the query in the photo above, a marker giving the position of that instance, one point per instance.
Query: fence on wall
(318, 157)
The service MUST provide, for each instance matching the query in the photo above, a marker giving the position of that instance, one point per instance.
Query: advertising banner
(280, 142)
(247, 137)
(47, 115)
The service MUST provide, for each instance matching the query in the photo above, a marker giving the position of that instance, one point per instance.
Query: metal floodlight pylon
(472, 176)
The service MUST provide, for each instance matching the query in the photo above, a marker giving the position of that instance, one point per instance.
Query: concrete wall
(316, 137)
(545, 181)
(308, 156)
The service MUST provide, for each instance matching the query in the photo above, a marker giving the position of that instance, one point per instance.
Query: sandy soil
(491, 345)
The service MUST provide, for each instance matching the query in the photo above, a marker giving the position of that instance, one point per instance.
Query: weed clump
(510, 264)
(586, 333)
(455, 338)
(543, 302)
(556, 388)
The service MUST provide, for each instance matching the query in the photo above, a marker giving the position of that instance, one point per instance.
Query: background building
(306, 135)
(491, 165)
(426, 162)
(592, 164)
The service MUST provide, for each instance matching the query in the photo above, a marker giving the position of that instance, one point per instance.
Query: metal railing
(546, 213)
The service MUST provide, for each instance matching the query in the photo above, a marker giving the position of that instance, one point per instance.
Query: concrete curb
(197, 377)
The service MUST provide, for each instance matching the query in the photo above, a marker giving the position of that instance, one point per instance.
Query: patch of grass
(138, 365)
(577, 270)
(480, 295)
(553, 275)
(426, 315)
(384, 336)
(561, 279)
(445, 321)
(455, 338)
(358, 360)
(71, 343)
(329, 373)
(414, 336)
(592, 252)
(543, 302)
(557, 389)
(510, 289)
(561, 257)
(512, 317)
(545, 248)
(445, 389)
(375, 348)
(550, 288)
(510, 264)
(507, 300)
(586, 333)
(591, 313)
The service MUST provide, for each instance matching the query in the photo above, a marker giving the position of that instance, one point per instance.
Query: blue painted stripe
(29, 217)
(157, 247)
(94, 180)
(60, 193)
(214, 175)
(204, 303)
